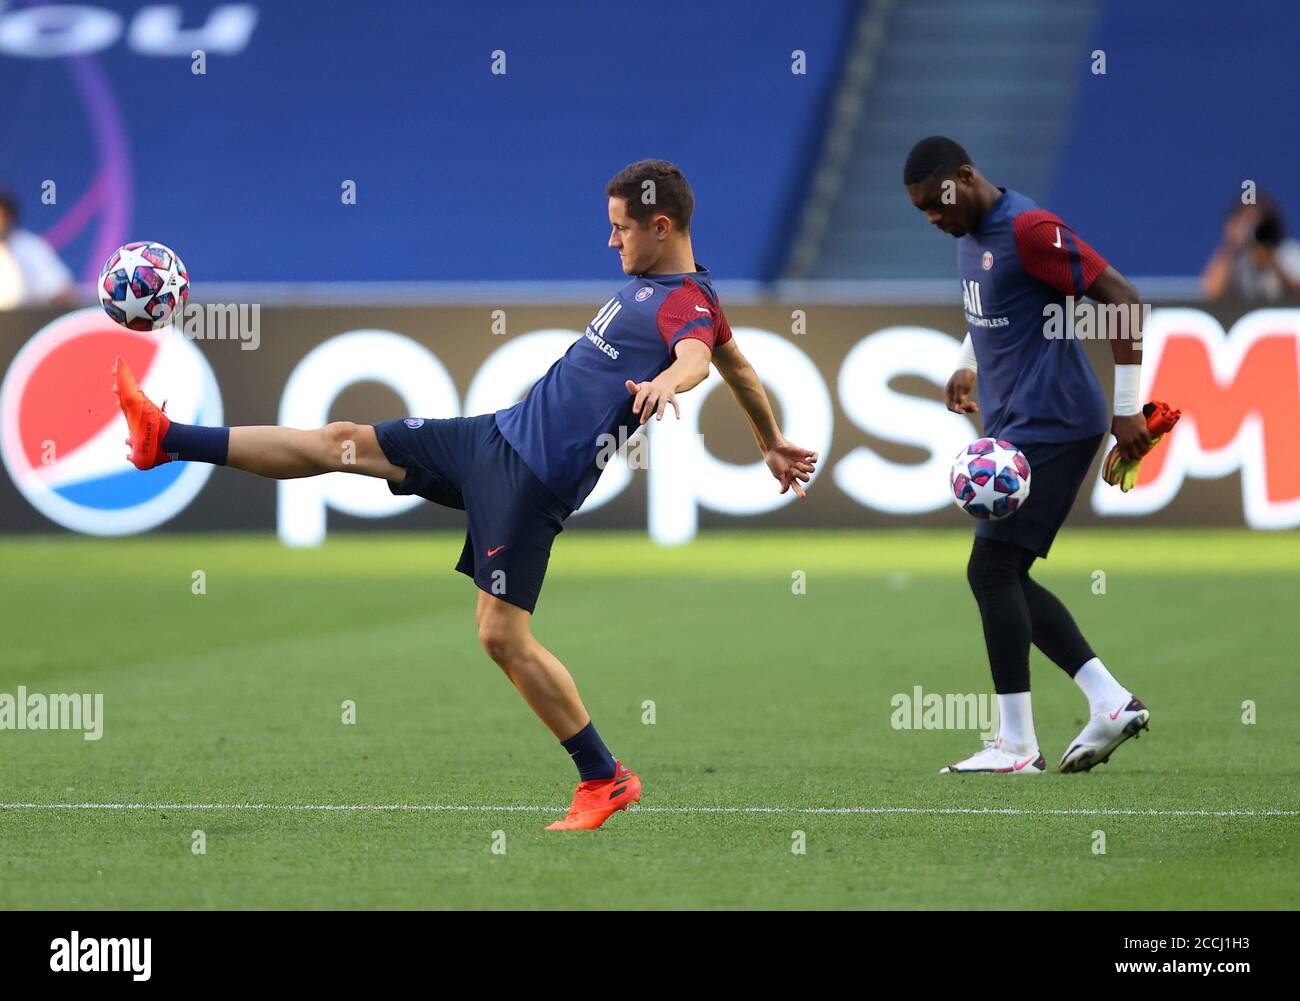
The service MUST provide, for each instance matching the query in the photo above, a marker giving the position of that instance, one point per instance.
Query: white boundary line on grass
(1011, 811)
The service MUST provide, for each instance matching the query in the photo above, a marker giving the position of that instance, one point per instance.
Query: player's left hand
(1132, 437)
(1158, 419)
(791, 465)
(653, 398)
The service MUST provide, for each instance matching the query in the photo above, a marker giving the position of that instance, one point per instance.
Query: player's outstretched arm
(789, 463)
(687, 371)
(1128, 425)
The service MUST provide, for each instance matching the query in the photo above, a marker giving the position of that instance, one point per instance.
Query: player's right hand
(791, 464)
(652, 397)
(957, 393)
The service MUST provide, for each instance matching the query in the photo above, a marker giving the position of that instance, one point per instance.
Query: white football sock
(1016, 727)
(1105, 694)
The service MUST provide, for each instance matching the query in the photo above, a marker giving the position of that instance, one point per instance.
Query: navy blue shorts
(465, 463)
(1056, 471)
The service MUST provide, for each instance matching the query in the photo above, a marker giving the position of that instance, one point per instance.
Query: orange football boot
(595, 801)
(145, 421)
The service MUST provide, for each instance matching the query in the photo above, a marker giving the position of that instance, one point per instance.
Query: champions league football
(990, 479)
(143, 285)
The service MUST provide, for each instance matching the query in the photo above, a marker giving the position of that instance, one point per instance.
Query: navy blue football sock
(590, 754)
(192, 443)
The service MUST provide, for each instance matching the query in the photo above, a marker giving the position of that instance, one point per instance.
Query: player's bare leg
(288, 453)
(546, 685)
(275, 452)
(505, 630)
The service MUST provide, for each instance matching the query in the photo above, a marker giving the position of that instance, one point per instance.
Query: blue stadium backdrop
(463, 174)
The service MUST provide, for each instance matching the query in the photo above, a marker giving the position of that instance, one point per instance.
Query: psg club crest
(414, 422)
(988, 260)
(642, 294)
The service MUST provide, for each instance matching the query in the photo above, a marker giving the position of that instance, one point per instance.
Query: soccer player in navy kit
(520, 472)
(1040, 393)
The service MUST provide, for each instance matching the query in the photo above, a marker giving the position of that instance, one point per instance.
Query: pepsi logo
(62, 434)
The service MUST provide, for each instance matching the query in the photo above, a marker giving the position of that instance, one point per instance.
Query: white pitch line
(831, 810)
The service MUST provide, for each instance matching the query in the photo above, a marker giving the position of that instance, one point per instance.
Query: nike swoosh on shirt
(493, 552)
(702, 309)
(1058, 237)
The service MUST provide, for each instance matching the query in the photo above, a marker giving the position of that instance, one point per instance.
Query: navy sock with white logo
(590, 754)
(191, 443)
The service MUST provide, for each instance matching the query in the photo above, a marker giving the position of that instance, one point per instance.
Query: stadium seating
(1014, 83)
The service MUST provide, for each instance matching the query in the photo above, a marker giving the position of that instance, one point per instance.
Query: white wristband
(1128, 383)
(966, 358)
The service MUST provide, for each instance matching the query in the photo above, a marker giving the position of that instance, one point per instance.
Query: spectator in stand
(31, 273)
(1255, 260)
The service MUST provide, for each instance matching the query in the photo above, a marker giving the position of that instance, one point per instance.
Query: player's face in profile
(945, 202)
(635, 242)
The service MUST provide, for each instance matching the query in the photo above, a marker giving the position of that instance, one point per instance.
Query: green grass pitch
(763, 698)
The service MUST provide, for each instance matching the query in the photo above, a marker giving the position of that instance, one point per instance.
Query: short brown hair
(668, 192)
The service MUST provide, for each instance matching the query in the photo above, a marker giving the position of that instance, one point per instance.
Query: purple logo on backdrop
(98, 218)
(104, 209)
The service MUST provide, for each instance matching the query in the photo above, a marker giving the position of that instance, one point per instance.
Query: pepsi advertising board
(66, 460)
(861, 385)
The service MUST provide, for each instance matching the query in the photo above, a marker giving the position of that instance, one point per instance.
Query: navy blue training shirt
(559, 427)
(1032, 388)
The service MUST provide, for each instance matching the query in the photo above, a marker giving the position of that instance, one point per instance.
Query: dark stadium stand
(1000, 77)
(1014, 83)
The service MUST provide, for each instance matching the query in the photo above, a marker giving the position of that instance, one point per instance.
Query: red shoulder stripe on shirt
(1052, 252)
(689, 312)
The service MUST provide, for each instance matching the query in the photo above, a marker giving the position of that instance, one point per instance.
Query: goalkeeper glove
(1121, 472)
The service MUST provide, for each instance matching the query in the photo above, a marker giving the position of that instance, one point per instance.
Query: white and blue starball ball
(990, 479)
(143, 285)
